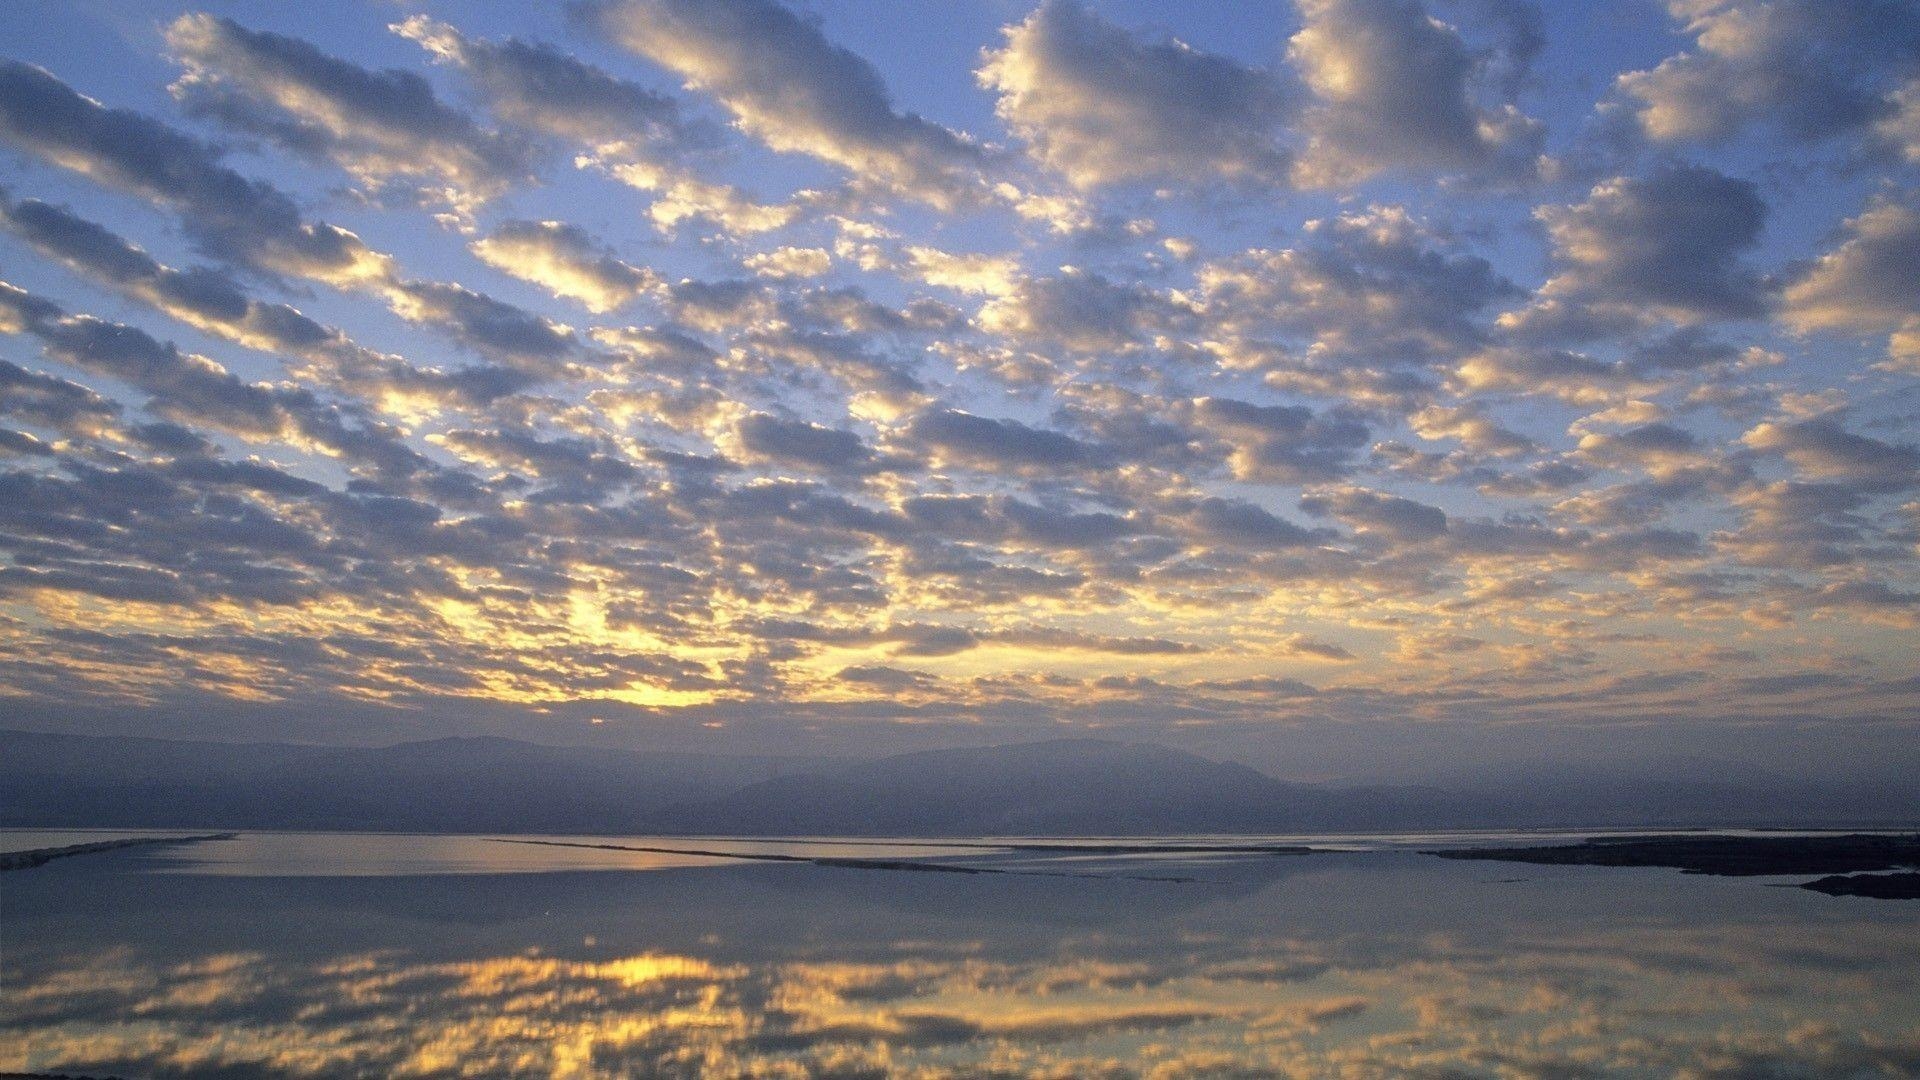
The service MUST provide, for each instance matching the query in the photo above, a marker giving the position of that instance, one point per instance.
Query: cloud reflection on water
(1370, 966)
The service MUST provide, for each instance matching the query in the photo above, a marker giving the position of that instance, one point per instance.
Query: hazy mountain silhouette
(1062, 787)
(442, 785)
(1066, 786)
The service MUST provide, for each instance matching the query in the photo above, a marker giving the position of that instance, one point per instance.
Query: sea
(278, 954)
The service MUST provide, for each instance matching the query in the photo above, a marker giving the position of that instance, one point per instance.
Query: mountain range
(1057, 787)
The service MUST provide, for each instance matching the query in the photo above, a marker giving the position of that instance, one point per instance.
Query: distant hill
(1060, 787)
(1066, 786)
(442, 785)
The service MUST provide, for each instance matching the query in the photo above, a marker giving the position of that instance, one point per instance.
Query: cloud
(493, 328)
(571, 468)
(787, 85)
(183, 385)
(1866, 284)
(1100, 107)
(1309, 648)
(377, 125)
(1077, 414)
(1397, 91)
(987, 442)
(1804, 526)
(680, 197)
(1287, 444)
(45, 401)
(885, 678)
(1375, 286)
(807, 444)
(536, 86)
(1671, 242)
(1377, 512)
(993, 275)
(252, 224)
(1822, 447)
(634, 134)
(1051, 527)
(1236, 523)
(237, 219)
(1900, 128)
(207, 299)
(1816, 69)
(1040, 637)
(564, 259)
(192, 389)
(790, 262)
(1476, 431)
(1079, 311)
(1657, 447)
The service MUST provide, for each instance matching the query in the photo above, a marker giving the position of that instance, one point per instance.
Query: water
(367, 955)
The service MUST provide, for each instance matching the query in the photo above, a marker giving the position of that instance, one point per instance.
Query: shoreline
(27, 860)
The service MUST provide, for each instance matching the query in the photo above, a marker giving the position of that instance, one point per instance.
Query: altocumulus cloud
(846, 377)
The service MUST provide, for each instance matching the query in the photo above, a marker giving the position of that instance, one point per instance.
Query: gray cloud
(244, 221)
(989, 442)
(45, 401)
(1284, 443)
(1822, 447)
(789, 86)
(1079, 311)
(536, 86)
(1235, 523)
(1814, 68)
(1099, 106)
(1377, 286)
(1376, 512)
(1398, 90)
(809, 445)
(1866, 285)
(1226, 438)
(204, 298)
(377, 125)
(1671, 241)
(193, 389)
(252, 224)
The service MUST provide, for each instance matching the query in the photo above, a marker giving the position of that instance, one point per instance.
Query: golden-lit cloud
(724, 365)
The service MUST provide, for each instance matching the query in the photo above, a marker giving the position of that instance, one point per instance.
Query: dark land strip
(1066, 847)
(1903, 886)
(23, 860)
(1856, 863)
(908, 865)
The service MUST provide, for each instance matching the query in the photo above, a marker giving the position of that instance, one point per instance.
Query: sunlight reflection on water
(1383, 963)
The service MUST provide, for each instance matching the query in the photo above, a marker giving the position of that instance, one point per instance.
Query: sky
(1348, 387)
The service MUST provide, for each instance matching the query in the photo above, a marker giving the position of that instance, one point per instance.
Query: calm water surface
(381, 955)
